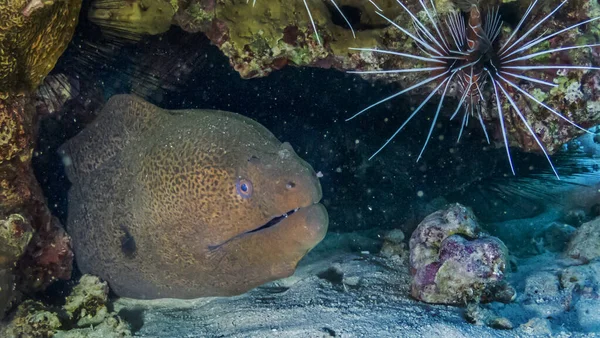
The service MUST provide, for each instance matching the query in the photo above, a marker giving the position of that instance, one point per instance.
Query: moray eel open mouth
(274, 221)
(312, 218)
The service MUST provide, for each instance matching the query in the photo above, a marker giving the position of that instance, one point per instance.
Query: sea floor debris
(84, 314)
(345, 292)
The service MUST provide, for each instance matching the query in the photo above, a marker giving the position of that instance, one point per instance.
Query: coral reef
(584, 245)
(48, 255)
(132, 18)
(84, 314)
(32, 37)
(453, 262)
(86, 305)
(265, 37)
(15, 234)
(262, 38)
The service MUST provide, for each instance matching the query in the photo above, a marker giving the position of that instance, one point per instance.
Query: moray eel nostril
(186, 204)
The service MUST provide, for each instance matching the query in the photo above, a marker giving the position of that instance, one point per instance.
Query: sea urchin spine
(469, 53)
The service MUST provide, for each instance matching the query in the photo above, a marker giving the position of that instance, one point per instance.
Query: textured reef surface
(453, 262)
(84, 314)
(265, 37)
(33, 34)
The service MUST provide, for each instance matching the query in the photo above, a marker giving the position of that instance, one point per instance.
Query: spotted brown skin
(156, 208)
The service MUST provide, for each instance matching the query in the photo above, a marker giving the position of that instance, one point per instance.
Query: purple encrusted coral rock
(453, 262)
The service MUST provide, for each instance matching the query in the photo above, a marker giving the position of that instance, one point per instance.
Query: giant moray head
(266, 190)
(240, 202)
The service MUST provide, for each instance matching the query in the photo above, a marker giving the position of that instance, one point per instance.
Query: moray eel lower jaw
(308, 224)
(314, 217)
(274, 221)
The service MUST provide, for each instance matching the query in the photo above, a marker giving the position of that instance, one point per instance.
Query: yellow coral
(32, 37)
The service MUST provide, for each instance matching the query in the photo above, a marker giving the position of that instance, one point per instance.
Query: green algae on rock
(132, 19)
(271, 34)
(86, 305)
(265, 37)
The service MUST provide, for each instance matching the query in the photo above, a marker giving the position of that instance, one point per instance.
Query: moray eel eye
(244, 187)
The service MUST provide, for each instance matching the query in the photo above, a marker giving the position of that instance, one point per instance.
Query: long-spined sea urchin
(467, 51)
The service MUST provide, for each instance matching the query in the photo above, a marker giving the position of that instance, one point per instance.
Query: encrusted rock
(86, 305)
(132, 18)
(555, 237)
(393, 245)
(453, 262)
(537, 327)
(585, 243)
(580, 280)
(32, 319)
(15, 234)
(478, 315)
(85, 314)
(48, 257)
(33, 34)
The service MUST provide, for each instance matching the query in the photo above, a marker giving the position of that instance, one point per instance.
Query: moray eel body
(188, 203)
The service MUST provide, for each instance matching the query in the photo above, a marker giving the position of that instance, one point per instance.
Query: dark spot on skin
(290, 185)
(127, 243)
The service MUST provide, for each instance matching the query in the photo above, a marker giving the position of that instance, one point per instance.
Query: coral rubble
(585, 242)
(15, 234)
(85, 314)
(265, 37)
(261, 38)
(32, 37)
(453, 262)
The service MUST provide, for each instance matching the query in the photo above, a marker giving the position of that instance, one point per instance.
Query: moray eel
(187, 203)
